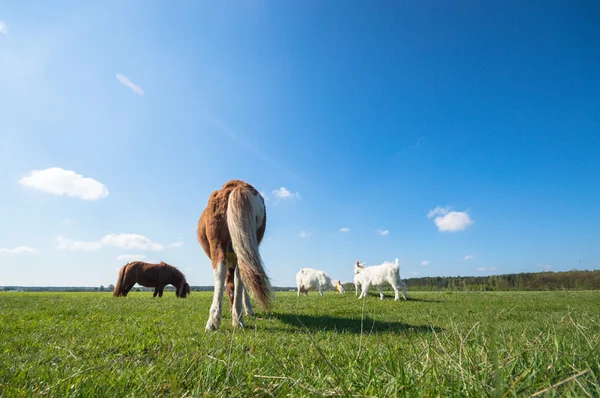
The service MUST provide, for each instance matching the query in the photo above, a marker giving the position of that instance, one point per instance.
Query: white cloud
(18, 249)
(304, 234)
(468, 257)
(130, 257)
(425, 263)
(437, 211)
(66, 221)
(3, 28)
(344, 229)
(58, 181)
(447, 220)
(126, 82)
(122, 241)
(130, 241)
(73, 245)
(414, 273)
(383, 232)
(483, 269)
(283, 193)
(176, 244)
(545, 267)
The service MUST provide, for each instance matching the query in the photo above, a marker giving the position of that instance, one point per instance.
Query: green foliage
(569, 280)
(446, 344)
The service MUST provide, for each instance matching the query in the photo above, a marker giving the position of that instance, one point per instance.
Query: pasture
(435, 344)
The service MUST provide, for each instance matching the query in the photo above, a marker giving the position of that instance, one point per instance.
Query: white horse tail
(246, 213)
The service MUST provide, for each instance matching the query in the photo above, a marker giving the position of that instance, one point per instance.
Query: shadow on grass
(351, 325)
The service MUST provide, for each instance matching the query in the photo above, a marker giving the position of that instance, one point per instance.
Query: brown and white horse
(229, 231)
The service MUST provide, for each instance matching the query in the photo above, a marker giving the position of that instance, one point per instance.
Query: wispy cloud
(130, 241)
(176, 244)
(284, 194)
(224, 129)
(437, 211)
(75, 245)
(545, 267)
(414, 273)
(383, 232)
(425, 263)
(450, 221)
(344, 229)
(3, 28)
(468, 257)
(17, 250)
(130, 257)
(484, 269)
(60, 182)
(304, 234)
(126, 82)
(66, 221)
(122, 241)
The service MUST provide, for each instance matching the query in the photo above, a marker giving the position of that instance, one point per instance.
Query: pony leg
(160, 291)
(380, 293)
(356, 287)
(246, 302)
(127, 289)
(214, 316)
(237, 317)
(320, 291)
(155, 291)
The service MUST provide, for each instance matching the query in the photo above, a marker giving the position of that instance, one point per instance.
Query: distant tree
(137, 289)
(95, 289)
(101, 288)
(111, 287)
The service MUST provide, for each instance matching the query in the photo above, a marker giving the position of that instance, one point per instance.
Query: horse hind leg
(246, 302)
(230, 284)
(220, 271)
(237, 318)
(155, 292)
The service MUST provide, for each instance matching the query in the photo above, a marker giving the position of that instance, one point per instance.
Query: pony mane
(175, 270)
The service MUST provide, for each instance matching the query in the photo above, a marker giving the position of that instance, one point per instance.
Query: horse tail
(246, 213)
(120, 282)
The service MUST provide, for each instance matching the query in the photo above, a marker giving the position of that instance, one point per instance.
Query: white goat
(309, 278)
(386, 273)
(357, 282)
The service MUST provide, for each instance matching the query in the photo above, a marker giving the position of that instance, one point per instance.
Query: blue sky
(470, 133)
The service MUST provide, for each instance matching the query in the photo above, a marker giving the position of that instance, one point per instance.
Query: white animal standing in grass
(309, 278)
(358, 280)
(386, 273)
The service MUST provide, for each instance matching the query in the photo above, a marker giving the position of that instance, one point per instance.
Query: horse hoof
(211, 327)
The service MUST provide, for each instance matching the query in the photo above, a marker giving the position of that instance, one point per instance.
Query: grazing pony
(151, 275)
(386, 273)
(229, 231)
(309, 278)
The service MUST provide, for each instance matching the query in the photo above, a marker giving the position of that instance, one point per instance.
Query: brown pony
(229, 231)
(151, 275)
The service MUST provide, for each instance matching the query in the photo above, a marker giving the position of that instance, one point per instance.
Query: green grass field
(435, 344)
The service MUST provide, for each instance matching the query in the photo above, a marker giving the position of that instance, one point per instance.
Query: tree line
(569, 280)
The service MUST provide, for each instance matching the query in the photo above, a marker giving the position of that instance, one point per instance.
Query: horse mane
(175, 270)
